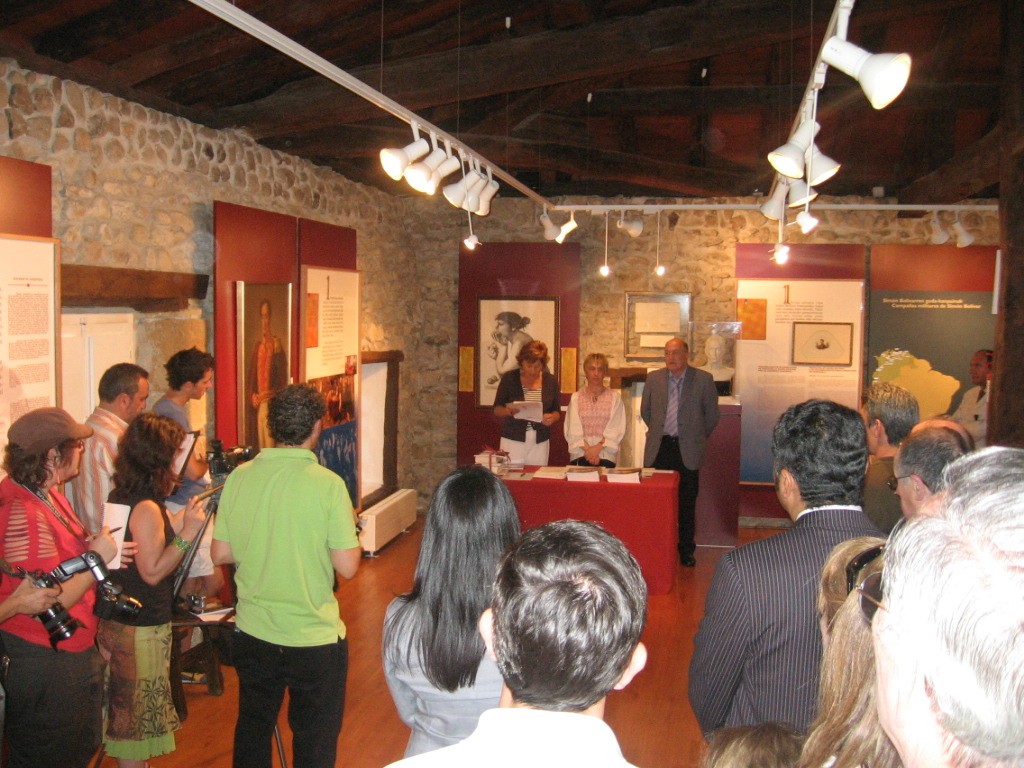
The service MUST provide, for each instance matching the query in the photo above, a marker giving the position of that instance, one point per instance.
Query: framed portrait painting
(504, 325)
(264, 327)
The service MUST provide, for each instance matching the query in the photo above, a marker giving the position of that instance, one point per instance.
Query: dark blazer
(698, 414)
(510, 389)
(758, 648)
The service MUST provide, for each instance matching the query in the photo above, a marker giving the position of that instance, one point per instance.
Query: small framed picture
(823, 344)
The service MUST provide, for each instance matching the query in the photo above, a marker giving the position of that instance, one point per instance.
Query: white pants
(529, 453)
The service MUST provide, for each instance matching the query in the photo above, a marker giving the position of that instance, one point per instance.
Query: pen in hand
(93, 536)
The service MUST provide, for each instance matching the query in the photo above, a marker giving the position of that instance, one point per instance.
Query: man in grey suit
(758, 648)
(680, 408)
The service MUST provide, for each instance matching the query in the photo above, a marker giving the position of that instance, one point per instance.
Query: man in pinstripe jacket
(758, 647)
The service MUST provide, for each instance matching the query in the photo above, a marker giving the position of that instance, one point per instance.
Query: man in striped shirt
(123, 391)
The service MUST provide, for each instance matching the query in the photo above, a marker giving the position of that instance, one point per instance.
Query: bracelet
(181, 544)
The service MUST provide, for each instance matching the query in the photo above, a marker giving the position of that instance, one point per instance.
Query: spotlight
(489, 191)
(472, 201)
(780, 253)
(472, 241)
(660, 270)
(550, 230)
(939, 235)
(566, 228)
(774, 207)
(395, 161)
(455, 193)
(450, 165)
(800, 194)
(806, 221)
(605, 270)
(820, 166)
(632, 228)
(789, 158)
(963, 237)
(882, 76)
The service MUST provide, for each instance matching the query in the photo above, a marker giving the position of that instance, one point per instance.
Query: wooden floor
(652, 717)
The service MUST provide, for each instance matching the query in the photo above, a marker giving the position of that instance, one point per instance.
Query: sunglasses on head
(870, 588)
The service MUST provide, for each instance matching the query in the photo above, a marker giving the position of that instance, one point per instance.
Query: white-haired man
(948, 641)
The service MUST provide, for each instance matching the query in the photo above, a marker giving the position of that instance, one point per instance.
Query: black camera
(223, 462)
(110, 603)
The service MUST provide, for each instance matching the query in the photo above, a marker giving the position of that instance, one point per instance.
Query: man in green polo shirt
(287, 525)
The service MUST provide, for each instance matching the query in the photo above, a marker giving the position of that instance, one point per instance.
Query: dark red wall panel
(515, 269)
(26, 207)
(932, 268)
(806, 262)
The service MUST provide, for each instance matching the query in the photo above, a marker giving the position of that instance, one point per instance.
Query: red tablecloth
(644, 516)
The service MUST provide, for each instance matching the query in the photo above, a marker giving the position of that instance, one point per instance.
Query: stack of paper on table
(623, 475)
(549, 473)
(583, 474)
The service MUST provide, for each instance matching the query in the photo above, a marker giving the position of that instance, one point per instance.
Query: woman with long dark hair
(434, 659)
(141, 719)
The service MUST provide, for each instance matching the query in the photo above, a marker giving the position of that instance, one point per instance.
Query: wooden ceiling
(573, 97)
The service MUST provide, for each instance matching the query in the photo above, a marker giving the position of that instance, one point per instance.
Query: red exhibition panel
(644, 516)
(932, 268)
(26, 206)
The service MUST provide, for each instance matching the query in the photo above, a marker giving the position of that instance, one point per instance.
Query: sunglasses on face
(870, 588)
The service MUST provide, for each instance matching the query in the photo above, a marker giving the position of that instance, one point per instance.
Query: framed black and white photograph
(823, 344)
(264, 354)
(505, 324)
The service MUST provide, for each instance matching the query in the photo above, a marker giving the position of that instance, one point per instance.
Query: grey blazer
(698, 414)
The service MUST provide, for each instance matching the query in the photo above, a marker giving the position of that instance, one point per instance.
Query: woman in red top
(54, 693)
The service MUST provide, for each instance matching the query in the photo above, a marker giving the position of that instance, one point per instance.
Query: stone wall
(134, 187)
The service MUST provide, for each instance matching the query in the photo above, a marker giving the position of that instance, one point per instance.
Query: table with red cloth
(644, 516)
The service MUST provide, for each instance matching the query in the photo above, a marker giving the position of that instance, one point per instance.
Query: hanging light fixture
(472, 241)
(789, 158)
(550, 230)
(568, 227)
(774, 207)
(659, 268)
(448, 166)
(395, 161)
(824, 167)
(420, 174)
(806, 220)
(963, 237)
(489, 191)
(780, 253)
(455, 193)
(605, 270)
(632, 228)
(882, 76)
(939, 235)
(472, 201)
(800, 194)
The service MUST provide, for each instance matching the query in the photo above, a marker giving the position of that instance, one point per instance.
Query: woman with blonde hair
(596, 421)
(846, 733)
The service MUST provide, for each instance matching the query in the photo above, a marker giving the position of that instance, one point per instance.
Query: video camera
(223, 463)
(110, 603)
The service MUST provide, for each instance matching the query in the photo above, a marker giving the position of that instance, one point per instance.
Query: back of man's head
(927, 452)
(293, 412)
(188, 365)
(120, 379)
(823, 446)
(568, 607)
(895, 407)
(954, 610)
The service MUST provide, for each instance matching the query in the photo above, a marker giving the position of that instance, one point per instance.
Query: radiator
(385, 520)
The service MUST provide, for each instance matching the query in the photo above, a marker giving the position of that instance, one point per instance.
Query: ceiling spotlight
(806, 221)
(939, 235)
(455, 193)
(472, 201)
(789, 158)
(605, 270)
(963, 237)
(820, 166)
(780, 253)
(489, 191)
(800, 194)
(774, 207)
(395, 161)
(449, 166)
(882, 76)
(632, 228)
(566, 228)
(472, 241)
(550, 230)
(660, 270)
(419, 174)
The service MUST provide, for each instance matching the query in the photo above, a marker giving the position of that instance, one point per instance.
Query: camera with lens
(110, 602)
(224, 462)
